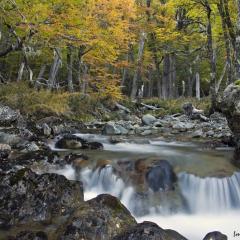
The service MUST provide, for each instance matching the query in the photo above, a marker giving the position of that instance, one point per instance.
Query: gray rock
(8, 115)
(148, 119)
(198, 134)
(100, 218)
(146, 132)
(31, 147)
(5, 150)
(215, 236)
(148, 231)
(10, 139)
(27, 197)
(111, 128)
(183, 126)
(230, 106)
(210, 133)
(46, 130)
(161, 176)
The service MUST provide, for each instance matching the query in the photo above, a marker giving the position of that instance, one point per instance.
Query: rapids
(208, 183)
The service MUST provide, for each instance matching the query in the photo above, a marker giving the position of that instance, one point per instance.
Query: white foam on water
(171, 144)
(93, 137)
(68, 171)
(139, 148)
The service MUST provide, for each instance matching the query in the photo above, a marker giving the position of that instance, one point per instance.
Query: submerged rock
(161, 177)
(215, 236)
(28, 197)
(100, 218)
(149, 231)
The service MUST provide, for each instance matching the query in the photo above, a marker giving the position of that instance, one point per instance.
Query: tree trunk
(190, 82)
(40, 76)
(212, 58)
(70, 68)
(183, 88)
(137, 72)
(198, 86)
(238, 43)
(166, 77)
(54, 69)
(20, 71)
(84, 84)
(227, 41)
(173, 80)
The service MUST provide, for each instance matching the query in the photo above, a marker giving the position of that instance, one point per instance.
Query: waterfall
(105, 181)
(210, 194)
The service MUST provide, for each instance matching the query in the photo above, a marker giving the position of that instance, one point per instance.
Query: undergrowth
(79, 107)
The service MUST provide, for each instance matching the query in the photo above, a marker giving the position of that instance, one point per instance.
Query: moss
(237, 83)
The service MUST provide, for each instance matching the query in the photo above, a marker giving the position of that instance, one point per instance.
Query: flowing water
(207, 191)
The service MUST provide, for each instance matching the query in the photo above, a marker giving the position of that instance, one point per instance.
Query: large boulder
(100, 218)
(27, 197)
(230, 106)
(148, 231)
(215, 236)
(8, 116)
(161, 176)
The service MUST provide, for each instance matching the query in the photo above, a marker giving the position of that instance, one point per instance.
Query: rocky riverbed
(38, 202)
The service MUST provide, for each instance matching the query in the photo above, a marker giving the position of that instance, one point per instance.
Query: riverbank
(30, 146)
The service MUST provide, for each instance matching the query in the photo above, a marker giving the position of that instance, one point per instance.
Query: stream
(207, 193)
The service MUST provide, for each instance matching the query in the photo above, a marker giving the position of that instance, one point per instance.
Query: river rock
(215, 236)
(29, 235)
(30, 147)
(198, 134)
(100, 218)
(5, 150)
(148, 231)
(27, 197)
(70, 141)
(148, 119)
(161, 176)
(190, 110)
(8, 115)
(112, 128)
(10, 139)
(183, 126)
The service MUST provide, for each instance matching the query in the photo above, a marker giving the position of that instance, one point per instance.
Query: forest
(165, 49)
